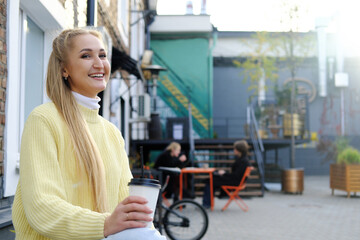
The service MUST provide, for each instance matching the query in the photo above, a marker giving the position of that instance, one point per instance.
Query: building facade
(27, 30)
(183, 45)
(231, 97)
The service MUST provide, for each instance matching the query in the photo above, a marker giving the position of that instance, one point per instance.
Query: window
(25, 52)
(32, 58)
(28, 48)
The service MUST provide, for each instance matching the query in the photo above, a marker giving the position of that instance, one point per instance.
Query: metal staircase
(221, 156)
(177, 95)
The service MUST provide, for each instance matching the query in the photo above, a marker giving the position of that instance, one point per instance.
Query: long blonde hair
(86, 151)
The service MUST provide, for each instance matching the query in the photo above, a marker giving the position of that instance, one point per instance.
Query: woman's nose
(98, 63)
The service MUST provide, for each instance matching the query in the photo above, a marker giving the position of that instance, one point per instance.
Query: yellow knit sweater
(52, 200)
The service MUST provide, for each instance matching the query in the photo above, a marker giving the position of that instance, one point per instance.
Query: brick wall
(3, 79)
(107, 16)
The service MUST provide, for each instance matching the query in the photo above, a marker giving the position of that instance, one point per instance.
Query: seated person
(237, 171)
(171, 157)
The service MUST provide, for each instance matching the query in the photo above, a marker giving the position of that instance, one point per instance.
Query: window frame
(48, 15)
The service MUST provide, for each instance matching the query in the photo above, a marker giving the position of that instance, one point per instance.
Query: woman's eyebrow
(90, 50)
(85, 50)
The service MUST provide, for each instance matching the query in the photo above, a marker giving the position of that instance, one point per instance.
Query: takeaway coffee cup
(147, 188)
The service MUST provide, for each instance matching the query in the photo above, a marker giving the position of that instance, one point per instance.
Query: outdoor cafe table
(195, 171)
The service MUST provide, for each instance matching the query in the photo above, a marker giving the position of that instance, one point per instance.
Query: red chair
(233, 192)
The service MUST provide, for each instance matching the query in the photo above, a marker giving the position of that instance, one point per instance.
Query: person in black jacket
(172, 158)
(233, 178)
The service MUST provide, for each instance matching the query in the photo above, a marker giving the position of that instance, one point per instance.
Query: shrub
(332, 148)
(348, 156)
(341, 144)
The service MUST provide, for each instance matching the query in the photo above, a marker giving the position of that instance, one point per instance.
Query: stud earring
(65, 78)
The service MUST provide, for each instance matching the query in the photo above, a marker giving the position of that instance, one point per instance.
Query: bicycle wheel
(185, 220)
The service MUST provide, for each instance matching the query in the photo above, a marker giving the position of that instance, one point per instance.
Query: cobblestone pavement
(314, 215)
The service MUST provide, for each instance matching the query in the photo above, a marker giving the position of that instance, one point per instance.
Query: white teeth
(96, 75)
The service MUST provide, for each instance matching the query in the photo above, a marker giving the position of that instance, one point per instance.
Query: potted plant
(345, 173)
(272, 115)
(282, 97)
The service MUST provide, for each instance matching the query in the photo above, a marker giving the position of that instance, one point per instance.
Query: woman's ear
(64, 73)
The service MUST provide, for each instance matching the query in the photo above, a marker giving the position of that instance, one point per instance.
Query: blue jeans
(206, 198)
(137, 234)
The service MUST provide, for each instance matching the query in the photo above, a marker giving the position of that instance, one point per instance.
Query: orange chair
(233, 191)
(165, 200)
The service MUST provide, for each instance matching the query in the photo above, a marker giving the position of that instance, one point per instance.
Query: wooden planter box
(345, 177)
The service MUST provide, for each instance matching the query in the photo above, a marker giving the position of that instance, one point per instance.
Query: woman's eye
(85, 56)
(103, 55)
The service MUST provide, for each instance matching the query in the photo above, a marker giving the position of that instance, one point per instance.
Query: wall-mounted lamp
(150, 12)
(155, 70)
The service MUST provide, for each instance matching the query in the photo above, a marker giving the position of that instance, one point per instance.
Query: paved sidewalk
(314, 215)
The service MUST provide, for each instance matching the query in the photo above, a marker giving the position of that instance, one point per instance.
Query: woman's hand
(221, 172)
(130, 213)
(182, 158)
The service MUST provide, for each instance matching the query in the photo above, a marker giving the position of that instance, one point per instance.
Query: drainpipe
(148, 36)
(321, 25)
(91, 12)
(210, 83)
(340, 69)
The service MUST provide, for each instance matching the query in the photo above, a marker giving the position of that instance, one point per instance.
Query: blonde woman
(74, 168)
(171, 157)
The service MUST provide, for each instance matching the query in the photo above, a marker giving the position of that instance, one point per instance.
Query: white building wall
(243, 44)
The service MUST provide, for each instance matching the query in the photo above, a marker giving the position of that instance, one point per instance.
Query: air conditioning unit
(143, 106)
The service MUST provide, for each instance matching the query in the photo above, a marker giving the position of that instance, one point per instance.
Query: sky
(265, 15)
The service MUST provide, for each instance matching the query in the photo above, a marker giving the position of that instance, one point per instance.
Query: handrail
(254, 121)
(257, 144)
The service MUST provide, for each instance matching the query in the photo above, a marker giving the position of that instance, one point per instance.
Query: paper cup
(147, 188)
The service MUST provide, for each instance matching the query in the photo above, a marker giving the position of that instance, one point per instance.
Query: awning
(120, 60)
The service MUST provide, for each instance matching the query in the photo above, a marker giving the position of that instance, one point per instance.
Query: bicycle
(183, 220)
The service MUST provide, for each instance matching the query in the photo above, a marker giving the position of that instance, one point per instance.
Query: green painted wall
(189, 75)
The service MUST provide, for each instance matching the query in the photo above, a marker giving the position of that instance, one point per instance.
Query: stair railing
(184, 89)
(257, 144)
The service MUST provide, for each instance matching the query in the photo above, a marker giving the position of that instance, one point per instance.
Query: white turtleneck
(92, 103)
